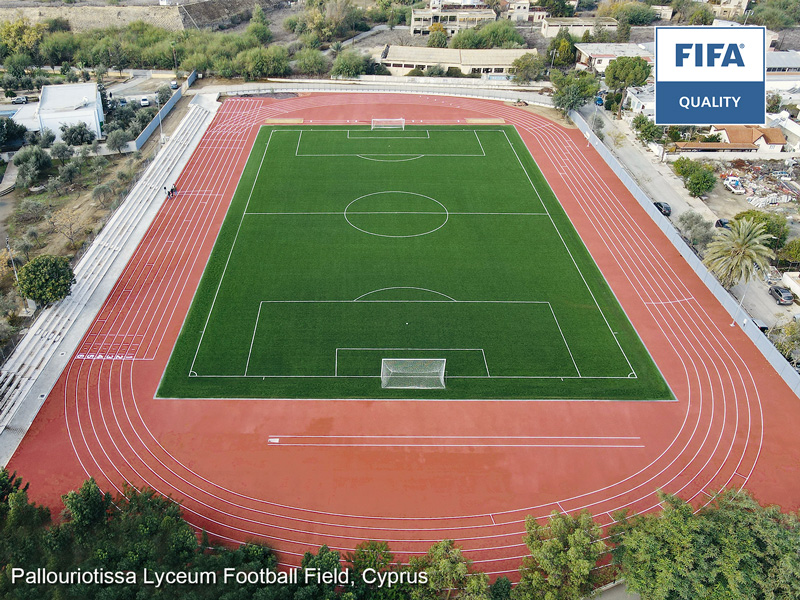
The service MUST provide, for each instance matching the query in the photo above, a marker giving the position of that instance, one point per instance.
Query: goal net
(389, 124)
(418, 373)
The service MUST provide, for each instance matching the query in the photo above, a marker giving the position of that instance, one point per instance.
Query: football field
(345, 246)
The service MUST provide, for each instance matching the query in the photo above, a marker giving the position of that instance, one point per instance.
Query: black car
(782, 295)
(664, 208)
(723, 223)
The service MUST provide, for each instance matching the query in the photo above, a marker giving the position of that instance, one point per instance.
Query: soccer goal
(389, 124)
(417, 373)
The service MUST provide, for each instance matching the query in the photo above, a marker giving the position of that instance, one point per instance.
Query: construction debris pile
(768, 183)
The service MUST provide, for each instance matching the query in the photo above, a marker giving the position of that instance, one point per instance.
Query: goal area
(389, 124)
(416, 373)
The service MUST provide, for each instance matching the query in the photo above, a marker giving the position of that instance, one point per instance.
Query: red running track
(413, 473)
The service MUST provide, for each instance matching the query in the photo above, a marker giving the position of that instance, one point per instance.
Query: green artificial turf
(343, 246)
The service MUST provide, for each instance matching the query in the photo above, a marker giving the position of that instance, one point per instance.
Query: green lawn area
(343, 246)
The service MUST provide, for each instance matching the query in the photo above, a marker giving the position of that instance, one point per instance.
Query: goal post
(413, 373)
(389, 124)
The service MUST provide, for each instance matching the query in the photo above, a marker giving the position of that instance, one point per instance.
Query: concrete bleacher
(32, 370)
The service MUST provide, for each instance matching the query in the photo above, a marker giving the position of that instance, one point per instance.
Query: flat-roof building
(577, 26)
(401, 59)
(64, 105)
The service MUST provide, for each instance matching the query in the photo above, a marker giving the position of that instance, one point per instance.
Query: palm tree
(735, 253)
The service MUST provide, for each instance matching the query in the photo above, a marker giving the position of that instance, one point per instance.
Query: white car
(145, 101)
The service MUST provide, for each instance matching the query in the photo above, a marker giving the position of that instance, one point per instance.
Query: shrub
(348, 64)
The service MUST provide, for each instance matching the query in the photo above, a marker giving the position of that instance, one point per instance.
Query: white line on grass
(569, 252)
(230, 253)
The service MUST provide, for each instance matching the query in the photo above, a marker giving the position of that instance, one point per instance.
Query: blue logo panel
(710, 103)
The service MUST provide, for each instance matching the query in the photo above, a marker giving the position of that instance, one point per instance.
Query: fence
(168, 106)
(775, 358)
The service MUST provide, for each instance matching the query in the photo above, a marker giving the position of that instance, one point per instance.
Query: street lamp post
(747, 13)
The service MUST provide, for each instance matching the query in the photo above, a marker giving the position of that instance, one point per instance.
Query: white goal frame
(388, 124)
(413, 373)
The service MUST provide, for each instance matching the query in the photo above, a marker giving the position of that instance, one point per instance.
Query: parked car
(173, 85)
(145, 101)
(19, 100)
(723, 223)
(762, 327)
(123, 102)
(782, 295)
(664, 208)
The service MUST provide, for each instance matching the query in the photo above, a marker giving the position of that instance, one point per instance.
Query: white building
(401, 59)
(789, 128)
(64, 105)
(524, 11)
(597, 56)
(727, 9)
(453, 21)
(643, 100)
(577, 26)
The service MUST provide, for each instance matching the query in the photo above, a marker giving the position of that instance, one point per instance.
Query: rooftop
(476, 58)
(714, 146)
(783, 60)
(748, 134)
(580, 21)
(614, 50)
(63, 98)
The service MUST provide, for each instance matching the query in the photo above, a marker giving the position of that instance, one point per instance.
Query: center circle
(396, 214)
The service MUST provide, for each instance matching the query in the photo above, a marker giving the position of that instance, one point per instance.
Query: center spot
(396, 214)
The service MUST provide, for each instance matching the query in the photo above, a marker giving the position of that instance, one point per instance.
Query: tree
(701, 15)
(311, 62)
(735, 253)
(260, 31)
(10, 131)
(563, 558)
(163, 94)
(774, 102)
(625, 72)
(46, 279)
(77, 134)
(378, 557)
(791, 251)
(501, 589)
(696, 228)
(348, 64)
(447, 568)
(650, 132)
(562, 49)
(117, 140)
(103, 193)
(730, 548)
(68, 172)
(573, 90)
(34, 155)
(437, 39)
(775, 225)
(639, 121)
(529, 67)
(46, 138)
(500, 34)
(700, 182)
(60, 151)
(467, 39)
(17, 64)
